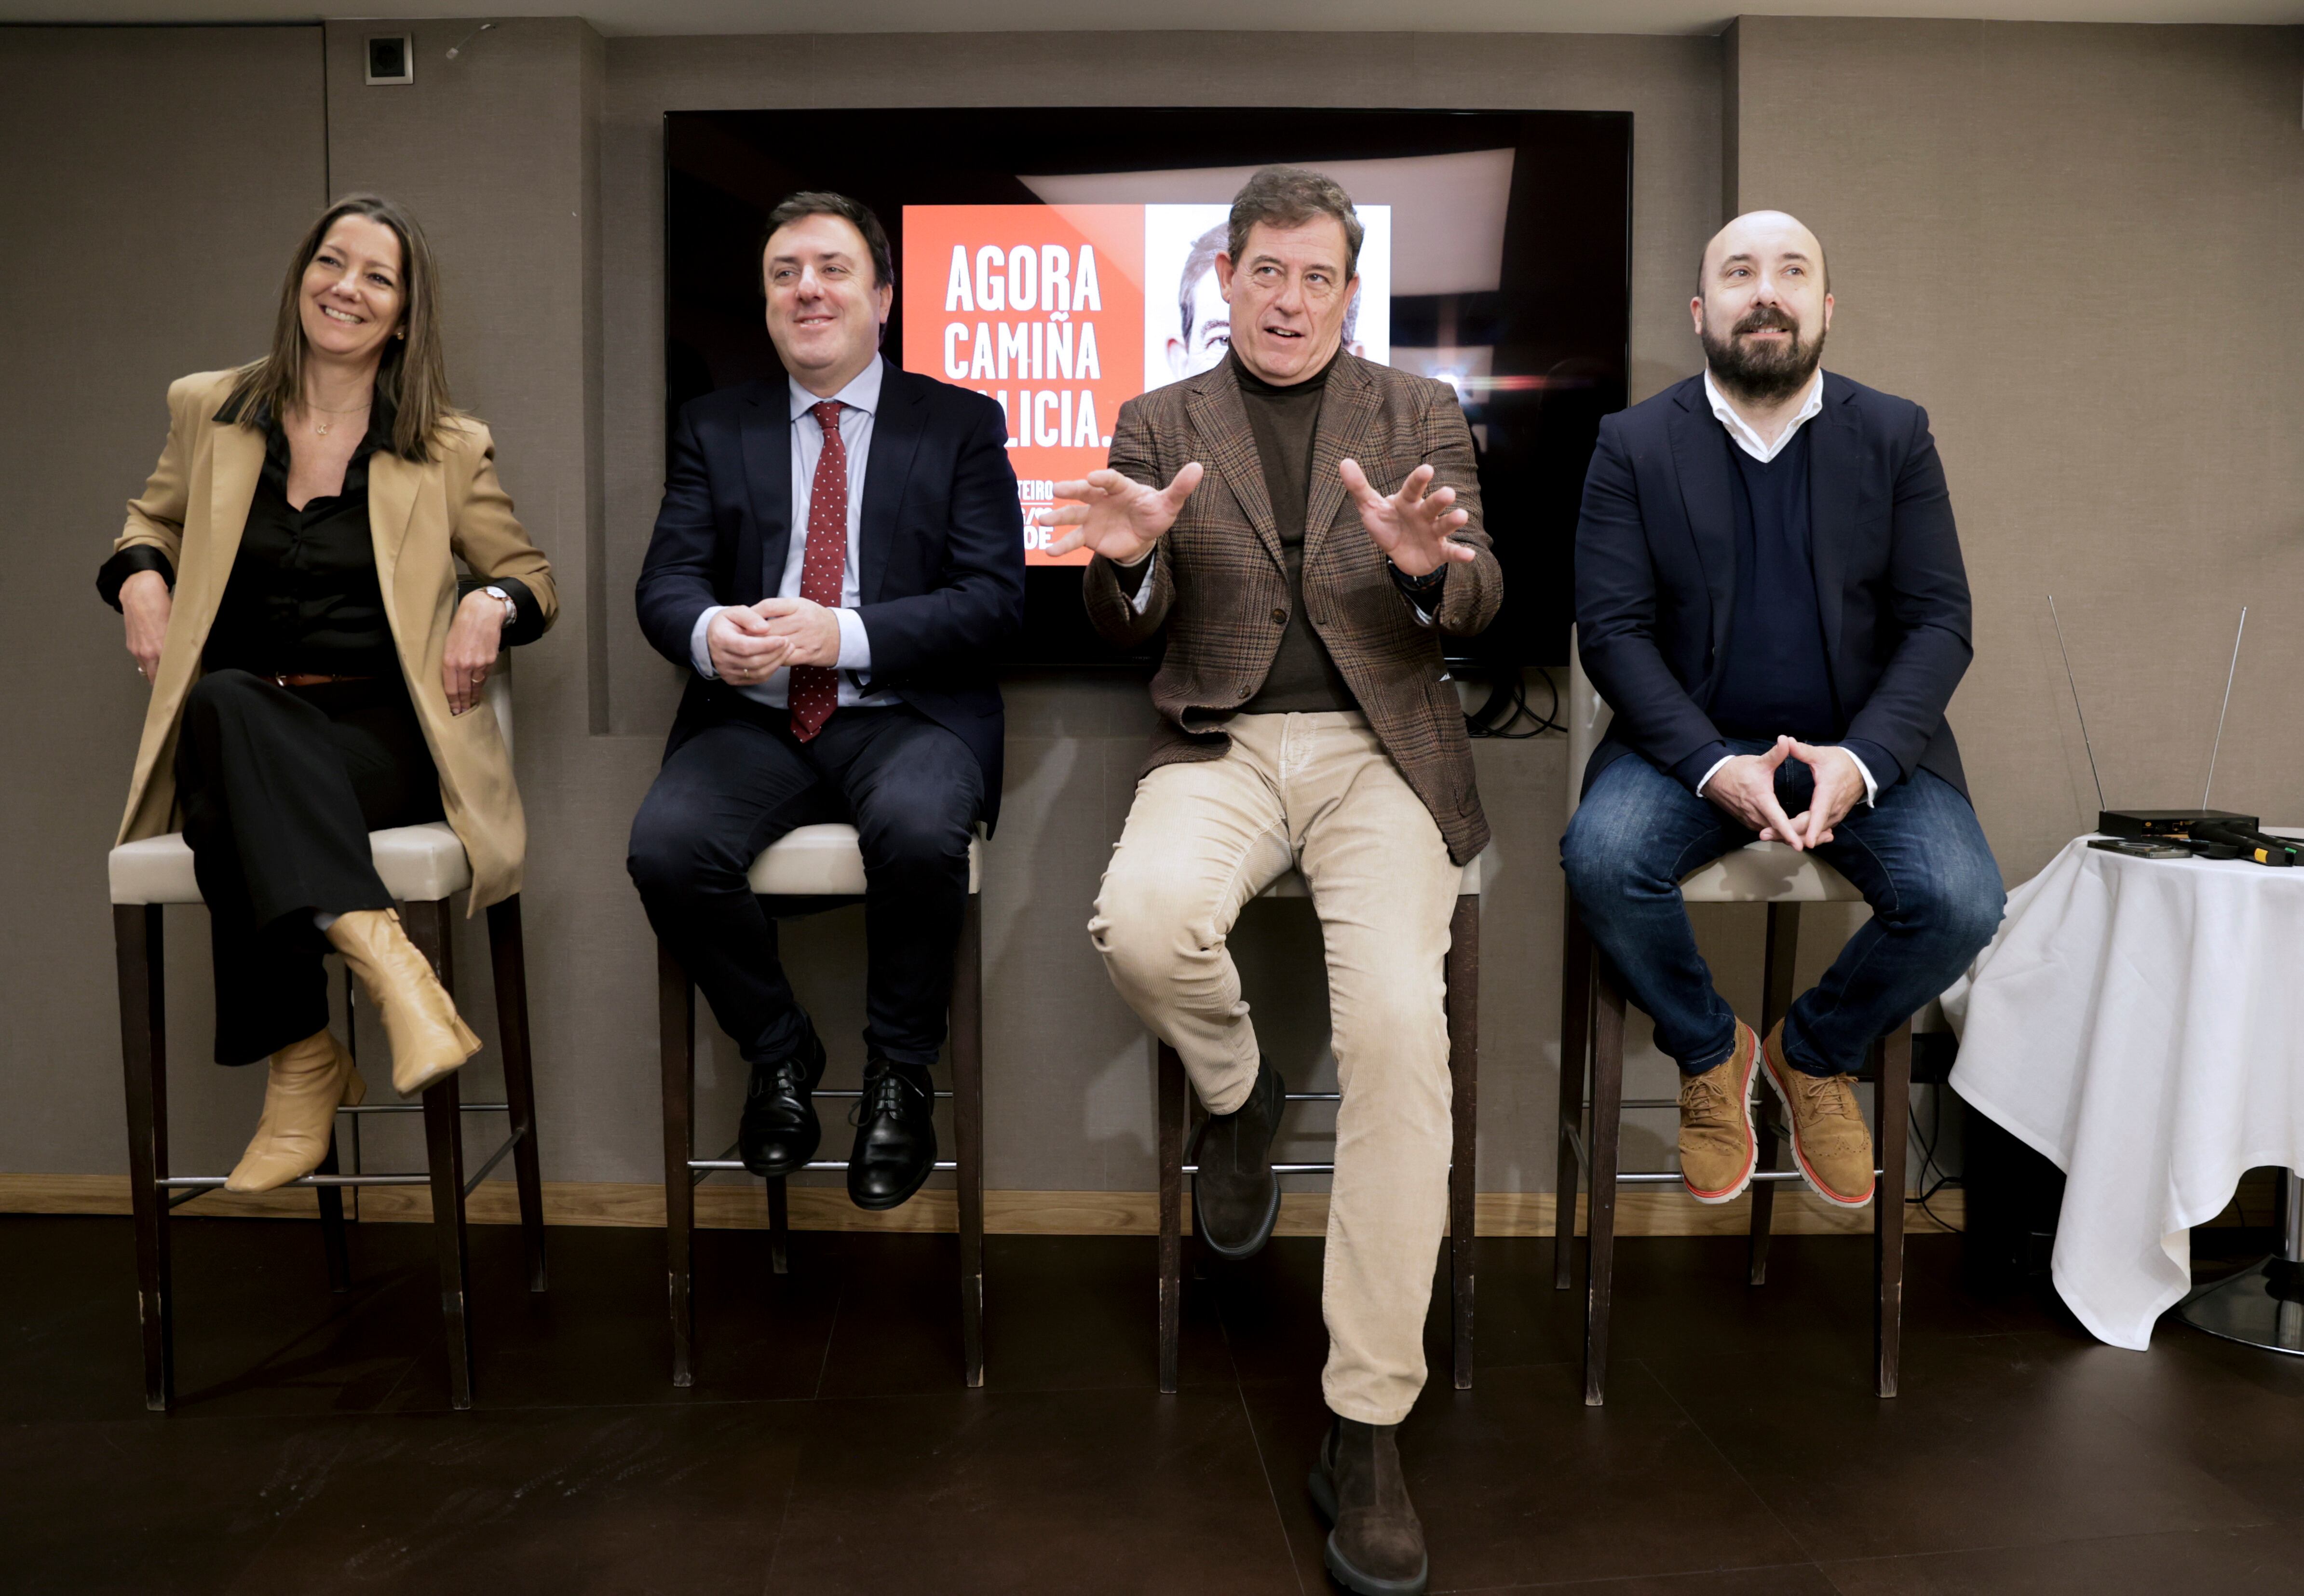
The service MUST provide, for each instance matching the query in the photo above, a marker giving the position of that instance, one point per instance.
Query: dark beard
(1756, 374)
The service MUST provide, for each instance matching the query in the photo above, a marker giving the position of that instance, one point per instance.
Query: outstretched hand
(1117, 517)
(1412, 526)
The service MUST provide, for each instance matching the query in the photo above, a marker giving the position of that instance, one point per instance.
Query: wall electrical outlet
(392, 59)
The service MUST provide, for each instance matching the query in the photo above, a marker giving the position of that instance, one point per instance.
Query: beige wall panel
(152, 183)
(2078, 247)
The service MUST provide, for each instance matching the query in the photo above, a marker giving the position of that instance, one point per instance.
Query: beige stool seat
(808, 869)
(419, 864)
(1767, 872)
(422, 867)
(826, 861)
(1592, 1047)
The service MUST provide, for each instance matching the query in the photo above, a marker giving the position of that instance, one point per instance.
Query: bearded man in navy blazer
(838, 560)
(1769, 594)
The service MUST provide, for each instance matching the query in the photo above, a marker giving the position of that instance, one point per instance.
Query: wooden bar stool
(810, 869)
(1179, 1110)
(422, 867)
(1592, 1035)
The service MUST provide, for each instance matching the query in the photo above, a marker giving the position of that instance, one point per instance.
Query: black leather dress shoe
(1376, 1547)
(1235, 1194)
(779, 1132)
(896, 1135)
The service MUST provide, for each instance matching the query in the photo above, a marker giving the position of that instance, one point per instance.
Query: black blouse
(303, 597)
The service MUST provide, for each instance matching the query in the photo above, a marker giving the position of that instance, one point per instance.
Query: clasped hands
(750, 643)
(1121, 519)
(1745, 787)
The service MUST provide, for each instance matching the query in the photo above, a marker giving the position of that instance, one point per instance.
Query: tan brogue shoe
(428, 1038)
(1830, 1142)
(310, 1079)
(1717, 1146)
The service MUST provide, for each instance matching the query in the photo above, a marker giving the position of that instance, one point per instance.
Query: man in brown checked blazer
(1317, 532)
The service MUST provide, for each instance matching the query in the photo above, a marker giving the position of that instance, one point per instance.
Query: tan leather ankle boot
(310, 1079)
(428, 1038)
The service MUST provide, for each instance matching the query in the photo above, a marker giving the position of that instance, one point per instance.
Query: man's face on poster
(1210, 334)
(1211, 329)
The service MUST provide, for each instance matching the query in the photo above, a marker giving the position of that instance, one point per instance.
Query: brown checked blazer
(423, 519)
(1219, 586)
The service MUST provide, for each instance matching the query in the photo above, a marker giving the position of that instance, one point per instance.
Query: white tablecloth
(2141, 1023)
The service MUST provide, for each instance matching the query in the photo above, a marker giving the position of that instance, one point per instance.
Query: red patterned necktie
(815, 690)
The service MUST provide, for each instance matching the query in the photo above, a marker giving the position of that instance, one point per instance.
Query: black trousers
(280, 788)
(914, 793)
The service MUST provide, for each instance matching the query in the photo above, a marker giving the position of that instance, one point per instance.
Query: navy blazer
(940, 542)
(1655, 575)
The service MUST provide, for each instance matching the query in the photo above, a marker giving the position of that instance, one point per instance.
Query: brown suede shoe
(1830, 1142)
(1717, 1145)
(1377, 1548)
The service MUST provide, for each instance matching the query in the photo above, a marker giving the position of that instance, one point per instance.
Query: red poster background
(942, 321)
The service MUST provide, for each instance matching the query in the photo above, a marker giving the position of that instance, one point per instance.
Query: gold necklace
(320, 429)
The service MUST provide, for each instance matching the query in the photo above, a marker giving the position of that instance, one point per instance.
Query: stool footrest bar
(851, 1092)
(495, 1158)
(418, 1108)
(714, 1165)
(200, 1183)
(1672, 1177)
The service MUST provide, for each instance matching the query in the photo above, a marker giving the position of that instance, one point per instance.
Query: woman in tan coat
(289, 582)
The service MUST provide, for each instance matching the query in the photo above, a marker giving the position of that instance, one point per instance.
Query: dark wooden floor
(827, 1446)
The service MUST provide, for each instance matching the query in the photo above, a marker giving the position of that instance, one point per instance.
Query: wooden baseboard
(727, 1206)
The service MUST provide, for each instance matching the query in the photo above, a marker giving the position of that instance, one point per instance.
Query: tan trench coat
(423, 517)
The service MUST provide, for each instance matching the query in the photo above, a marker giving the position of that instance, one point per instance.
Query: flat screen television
(1058, 258)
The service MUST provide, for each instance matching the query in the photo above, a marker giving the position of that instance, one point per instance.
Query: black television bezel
(1533, 628)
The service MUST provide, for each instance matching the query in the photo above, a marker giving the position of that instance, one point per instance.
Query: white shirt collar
(863, 393)
(1742, 431)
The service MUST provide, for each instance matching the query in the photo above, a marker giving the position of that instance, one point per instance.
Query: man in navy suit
(838, 557)
(1769, 594)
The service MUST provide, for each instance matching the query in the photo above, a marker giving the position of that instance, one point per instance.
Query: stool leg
(779, 1224)
(507, 948)
(1463, 986)
(1775, 997)
(1892, 1098)
(332, 1241)
(1607, 1127)
(332, 1223)
(1576, 967)
(443, 1146)
(1169, 1148)
(138, 952)
(675, 1008)
(968, 1130)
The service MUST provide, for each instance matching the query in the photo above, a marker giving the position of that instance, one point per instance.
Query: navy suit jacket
(1655, 575)
(940, 544)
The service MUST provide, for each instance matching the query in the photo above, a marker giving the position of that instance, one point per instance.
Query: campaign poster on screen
(1042, 307)
(1063, 313)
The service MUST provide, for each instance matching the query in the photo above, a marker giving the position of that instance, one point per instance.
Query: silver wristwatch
(512, 606)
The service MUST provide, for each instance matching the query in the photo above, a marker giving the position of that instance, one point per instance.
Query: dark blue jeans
(1919, 858)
